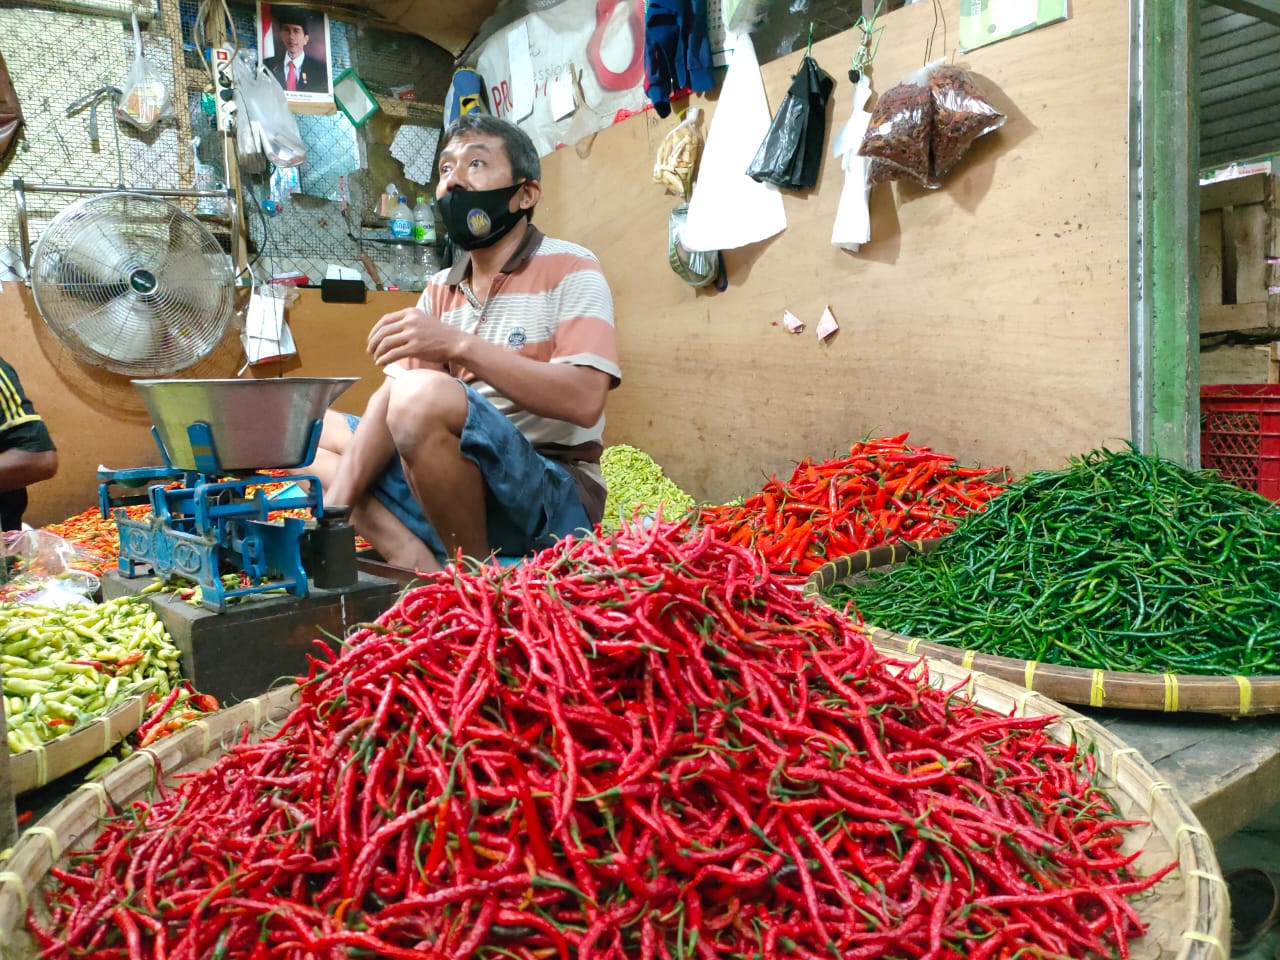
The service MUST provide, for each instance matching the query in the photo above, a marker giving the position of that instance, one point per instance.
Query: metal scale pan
(237, 425)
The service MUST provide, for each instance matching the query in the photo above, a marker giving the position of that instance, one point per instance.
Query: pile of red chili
(647, 747)
(884, 490)
(96, 536)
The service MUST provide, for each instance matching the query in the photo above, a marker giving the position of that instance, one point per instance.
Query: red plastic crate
(1240, 434)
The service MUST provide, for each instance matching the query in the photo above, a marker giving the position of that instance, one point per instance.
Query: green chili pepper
(1120, 561)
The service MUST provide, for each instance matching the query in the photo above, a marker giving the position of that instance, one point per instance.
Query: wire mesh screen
(145, 9)
(307, 230)
(57, 147)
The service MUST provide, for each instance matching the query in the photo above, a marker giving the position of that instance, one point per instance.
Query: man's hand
(411, 334)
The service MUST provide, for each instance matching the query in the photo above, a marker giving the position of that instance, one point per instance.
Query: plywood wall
(97, 417)
(989, 318)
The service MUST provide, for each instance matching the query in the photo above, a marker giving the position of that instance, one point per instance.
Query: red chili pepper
(885, 490)
(659, 750)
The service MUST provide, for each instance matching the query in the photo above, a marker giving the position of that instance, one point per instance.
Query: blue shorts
(530, 500)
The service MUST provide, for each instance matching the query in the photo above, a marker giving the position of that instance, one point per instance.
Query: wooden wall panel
(97, 417)
(989, 318)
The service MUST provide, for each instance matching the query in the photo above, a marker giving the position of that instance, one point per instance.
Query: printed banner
(569, 71)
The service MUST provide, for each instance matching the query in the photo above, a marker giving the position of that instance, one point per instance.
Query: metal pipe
(24, 237)
(72, 188)
(21, 189)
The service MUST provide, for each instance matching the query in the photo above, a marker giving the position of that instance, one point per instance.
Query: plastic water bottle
(424, 221)
(402, 221)
(400, 278)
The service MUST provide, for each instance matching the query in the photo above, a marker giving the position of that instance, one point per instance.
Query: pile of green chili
(1120, 562)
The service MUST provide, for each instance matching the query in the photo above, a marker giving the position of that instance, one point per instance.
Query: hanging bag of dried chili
(961, 114)
(900, 132)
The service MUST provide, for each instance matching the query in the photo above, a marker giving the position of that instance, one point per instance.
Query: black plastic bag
(791, 151)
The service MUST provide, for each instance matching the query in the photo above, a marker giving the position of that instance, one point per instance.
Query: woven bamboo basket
(1186, 913)
(75, 822)
(1233, 696)
(32, 769)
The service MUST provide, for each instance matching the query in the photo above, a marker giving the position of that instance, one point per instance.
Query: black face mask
(479, 218)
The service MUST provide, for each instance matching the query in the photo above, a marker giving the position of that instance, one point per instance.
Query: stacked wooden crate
(1239, 240)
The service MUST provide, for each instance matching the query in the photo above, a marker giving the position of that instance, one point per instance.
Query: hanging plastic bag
(207, 180)
(900, 133)
(678, 155)
(961, 114)
(697, 268)
(791, 151)
(260, 99)
(852, 226)
(145, 99)
(266, 336)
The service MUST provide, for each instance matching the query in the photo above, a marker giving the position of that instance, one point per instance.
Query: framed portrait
(294, 42)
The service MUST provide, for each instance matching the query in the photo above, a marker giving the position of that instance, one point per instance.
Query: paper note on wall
(415, 147)
(521, 72)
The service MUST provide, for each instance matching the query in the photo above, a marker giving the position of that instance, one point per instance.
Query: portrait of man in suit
(299, 57)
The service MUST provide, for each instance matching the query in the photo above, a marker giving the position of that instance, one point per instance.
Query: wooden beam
(1244, 317)
(1266, 10)
(1233, 193)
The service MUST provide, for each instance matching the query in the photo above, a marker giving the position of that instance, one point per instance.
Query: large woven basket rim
(1205, 931)
(78, 817)
(1232, 695)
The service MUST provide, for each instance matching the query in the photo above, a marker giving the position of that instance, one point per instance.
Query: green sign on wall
(986, 21)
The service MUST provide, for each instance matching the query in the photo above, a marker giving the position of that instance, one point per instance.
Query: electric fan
(133, 284)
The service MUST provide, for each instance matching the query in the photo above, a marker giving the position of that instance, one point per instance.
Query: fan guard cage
(133, 284)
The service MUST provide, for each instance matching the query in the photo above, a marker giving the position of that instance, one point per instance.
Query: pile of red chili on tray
(644, 747)
(884, 490)
(96, 535)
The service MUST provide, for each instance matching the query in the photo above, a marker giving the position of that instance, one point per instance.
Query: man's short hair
(282, 14)
(525, 164)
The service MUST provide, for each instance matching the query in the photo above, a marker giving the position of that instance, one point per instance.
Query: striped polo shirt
(549, 302)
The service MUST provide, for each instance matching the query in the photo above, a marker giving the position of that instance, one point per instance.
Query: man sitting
(486, 434)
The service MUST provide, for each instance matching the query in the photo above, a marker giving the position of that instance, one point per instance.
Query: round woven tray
(1186, 913)
(1234, 696)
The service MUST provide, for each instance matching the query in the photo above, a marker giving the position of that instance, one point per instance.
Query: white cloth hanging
(852, 226)
(728, 209)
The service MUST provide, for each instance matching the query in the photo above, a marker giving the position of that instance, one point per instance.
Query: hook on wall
(869, 44)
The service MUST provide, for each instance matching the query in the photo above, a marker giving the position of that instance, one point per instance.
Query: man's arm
(561, 391)
(21, 468)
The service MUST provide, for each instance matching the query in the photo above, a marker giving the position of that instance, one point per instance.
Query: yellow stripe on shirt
(10, 398)
(11, 412)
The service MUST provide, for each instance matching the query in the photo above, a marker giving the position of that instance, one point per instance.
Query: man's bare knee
(428, 403)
